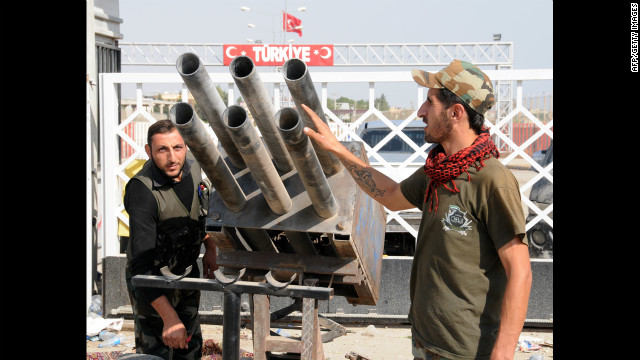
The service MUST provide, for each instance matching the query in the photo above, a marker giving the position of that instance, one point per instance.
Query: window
(373, 136)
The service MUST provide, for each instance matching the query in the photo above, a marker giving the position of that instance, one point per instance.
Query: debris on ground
(370, 331)
(105, 355)
(98, 323)
(211, 350)
(526, 346)
(355, 356)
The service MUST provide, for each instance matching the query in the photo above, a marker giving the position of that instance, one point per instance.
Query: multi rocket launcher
(281, 207)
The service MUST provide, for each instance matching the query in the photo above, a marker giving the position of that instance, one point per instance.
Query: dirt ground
(378, 343)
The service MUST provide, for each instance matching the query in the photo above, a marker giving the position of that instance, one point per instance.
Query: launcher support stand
(309, 346)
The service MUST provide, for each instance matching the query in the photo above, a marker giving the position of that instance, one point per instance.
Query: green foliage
(380, 103)
(223, 94)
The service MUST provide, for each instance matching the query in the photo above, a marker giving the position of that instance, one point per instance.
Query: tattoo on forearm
(364, 178)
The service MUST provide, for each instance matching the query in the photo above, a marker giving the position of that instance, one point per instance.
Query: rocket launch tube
(306, 162)
(198, 81)
(204, 150)
(258, 101)
(255, 155)
(298, 80)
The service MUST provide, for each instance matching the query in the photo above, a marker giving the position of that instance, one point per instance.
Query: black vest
(179, 232)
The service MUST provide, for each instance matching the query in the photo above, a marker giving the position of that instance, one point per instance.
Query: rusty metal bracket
(171, 276)
(281, 313)
(335, 329)
(277, 285)
(225, 280)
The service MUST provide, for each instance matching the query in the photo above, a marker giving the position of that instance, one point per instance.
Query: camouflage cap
(463, 79)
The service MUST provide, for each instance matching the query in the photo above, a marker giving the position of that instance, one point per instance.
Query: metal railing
(113, 174)
(495, 53)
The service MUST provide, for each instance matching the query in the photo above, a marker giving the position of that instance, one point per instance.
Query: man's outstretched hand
(323, 137)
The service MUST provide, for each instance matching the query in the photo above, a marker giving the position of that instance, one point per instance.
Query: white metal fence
(119, 150)
(494, 53)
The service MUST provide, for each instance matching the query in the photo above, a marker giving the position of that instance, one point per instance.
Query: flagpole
(284, 33)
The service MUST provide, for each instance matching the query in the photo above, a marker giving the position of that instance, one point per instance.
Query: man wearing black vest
(165, 204)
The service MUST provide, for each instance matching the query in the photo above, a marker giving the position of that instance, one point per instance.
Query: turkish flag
(290, 22)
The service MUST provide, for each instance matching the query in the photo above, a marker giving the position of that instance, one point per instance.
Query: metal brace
(277, 285)
(224, 280)
(335, 329)
(219, 276)
(171, 277)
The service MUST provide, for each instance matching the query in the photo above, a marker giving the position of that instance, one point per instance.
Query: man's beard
(173, 177)
(170, 177)
(438, 130)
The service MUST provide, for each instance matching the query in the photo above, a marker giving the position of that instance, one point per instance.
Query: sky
(526, 23)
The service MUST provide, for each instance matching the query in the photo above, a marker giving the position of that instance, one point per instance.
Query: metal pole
(91, 71)
(231, 326)
(109, 163)
(89, 209)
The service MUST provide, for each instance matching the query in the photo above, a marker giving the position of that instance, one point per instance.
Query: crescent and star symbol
(316, 52)
(228, 53)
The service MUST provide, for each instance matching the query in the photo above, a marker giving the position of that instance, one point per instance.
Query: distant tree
(362, 104)
(200, 113)
(223, 94)
(381, 103)
(344, 99)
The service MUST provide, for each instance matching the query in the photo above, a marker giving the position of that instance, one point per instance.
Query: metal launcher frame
(282, 210)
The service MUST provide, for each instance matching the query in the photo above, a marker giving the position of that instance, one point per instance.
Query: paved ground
(378, 343)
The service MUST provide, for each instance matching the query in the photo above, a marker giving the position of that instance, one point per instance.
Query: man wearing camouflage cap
(471, 273)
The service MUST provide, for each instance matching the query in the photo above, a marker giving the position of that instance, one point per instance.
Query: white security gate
(119, 149)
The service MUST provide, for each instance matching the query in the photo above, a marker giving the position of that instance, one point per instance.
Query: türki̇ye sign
(276, 55)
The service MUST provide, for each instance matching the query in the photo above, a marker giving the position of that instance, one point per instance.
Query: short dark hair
(160, 127)
(448, 98)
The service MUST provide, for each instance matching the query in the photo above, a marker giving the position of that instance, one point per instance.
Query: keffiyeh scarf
(441, 168)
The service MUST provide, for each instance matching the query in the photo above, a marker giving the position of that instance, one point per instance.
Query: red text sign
(276, 54)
